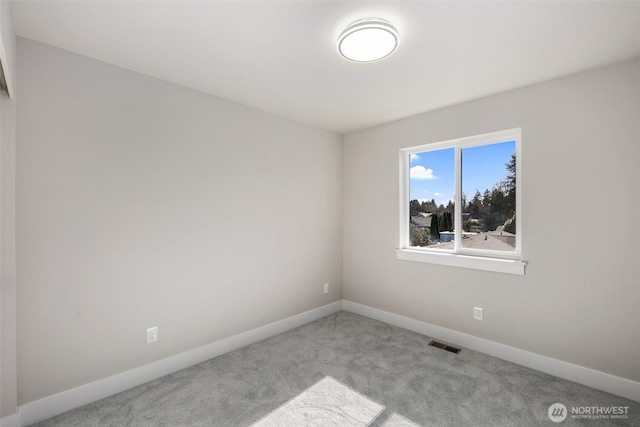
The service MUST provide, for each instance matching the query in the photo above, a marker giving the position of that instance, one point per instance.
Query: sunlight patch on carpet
(326, 403)
(396, 420)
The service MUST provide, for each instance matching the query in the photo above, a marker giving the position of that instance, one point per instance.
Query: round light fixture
(368, 40)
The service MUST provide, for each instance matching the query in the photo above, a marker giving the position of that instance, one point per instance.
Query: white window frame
(480, 259)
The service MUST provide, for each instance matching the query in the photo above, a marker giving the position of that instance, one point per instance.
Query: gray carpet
(389, 365)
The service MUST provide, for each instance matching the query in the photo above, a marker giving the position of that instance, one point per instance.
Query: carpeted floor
(391, 366)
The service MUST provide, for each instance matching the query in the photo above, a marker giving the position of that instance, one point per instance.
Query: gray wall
(8, 393)
(8, 385)
(142, 203)
(578, 301)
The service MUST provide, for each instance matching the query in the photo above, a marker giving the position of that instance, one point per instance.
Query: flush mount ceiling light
(368, 40)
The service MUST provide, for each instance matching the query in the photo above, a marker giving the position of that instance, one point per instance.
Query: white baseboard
(56, 404)
(579, 374)
(10, 421)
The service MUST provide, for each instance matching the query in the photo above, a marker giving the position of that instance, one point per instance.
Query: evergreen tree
(414, 207)
(435, 228)
(447, 222)
(450, 206)
(486, 201)
(509, 186)
(475, 205)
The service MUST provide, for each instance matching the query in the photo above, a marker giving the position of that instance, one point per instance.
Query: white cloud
(413, 157)
(420, 172)
(439, 194)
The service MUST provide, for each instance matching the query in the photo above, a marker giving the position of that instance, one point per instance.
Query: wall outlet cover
(152, 334)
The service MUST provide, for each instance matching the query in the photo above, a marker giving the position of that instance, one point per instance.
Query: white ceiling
(280, 56)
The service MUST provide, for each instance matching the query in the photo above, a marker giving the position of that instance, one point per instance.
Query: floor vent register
(445, 347)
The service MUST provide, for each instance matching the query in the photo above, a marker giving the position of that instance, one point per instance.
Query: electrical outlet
(152, 334)
(326, 288)
(478, 313)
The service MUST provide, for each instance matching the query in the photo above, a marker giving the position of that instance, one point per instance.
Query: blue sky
(432, 172)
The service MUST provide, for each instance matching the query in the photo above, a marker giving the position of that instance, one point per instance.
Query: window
(460, 203)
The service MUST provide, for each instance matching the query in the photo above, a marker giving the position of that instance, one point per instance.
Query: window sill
(498, 265)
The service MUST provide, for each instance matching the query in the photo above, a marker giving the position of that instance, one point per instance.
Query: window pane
(489, 197)
(431, 195)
